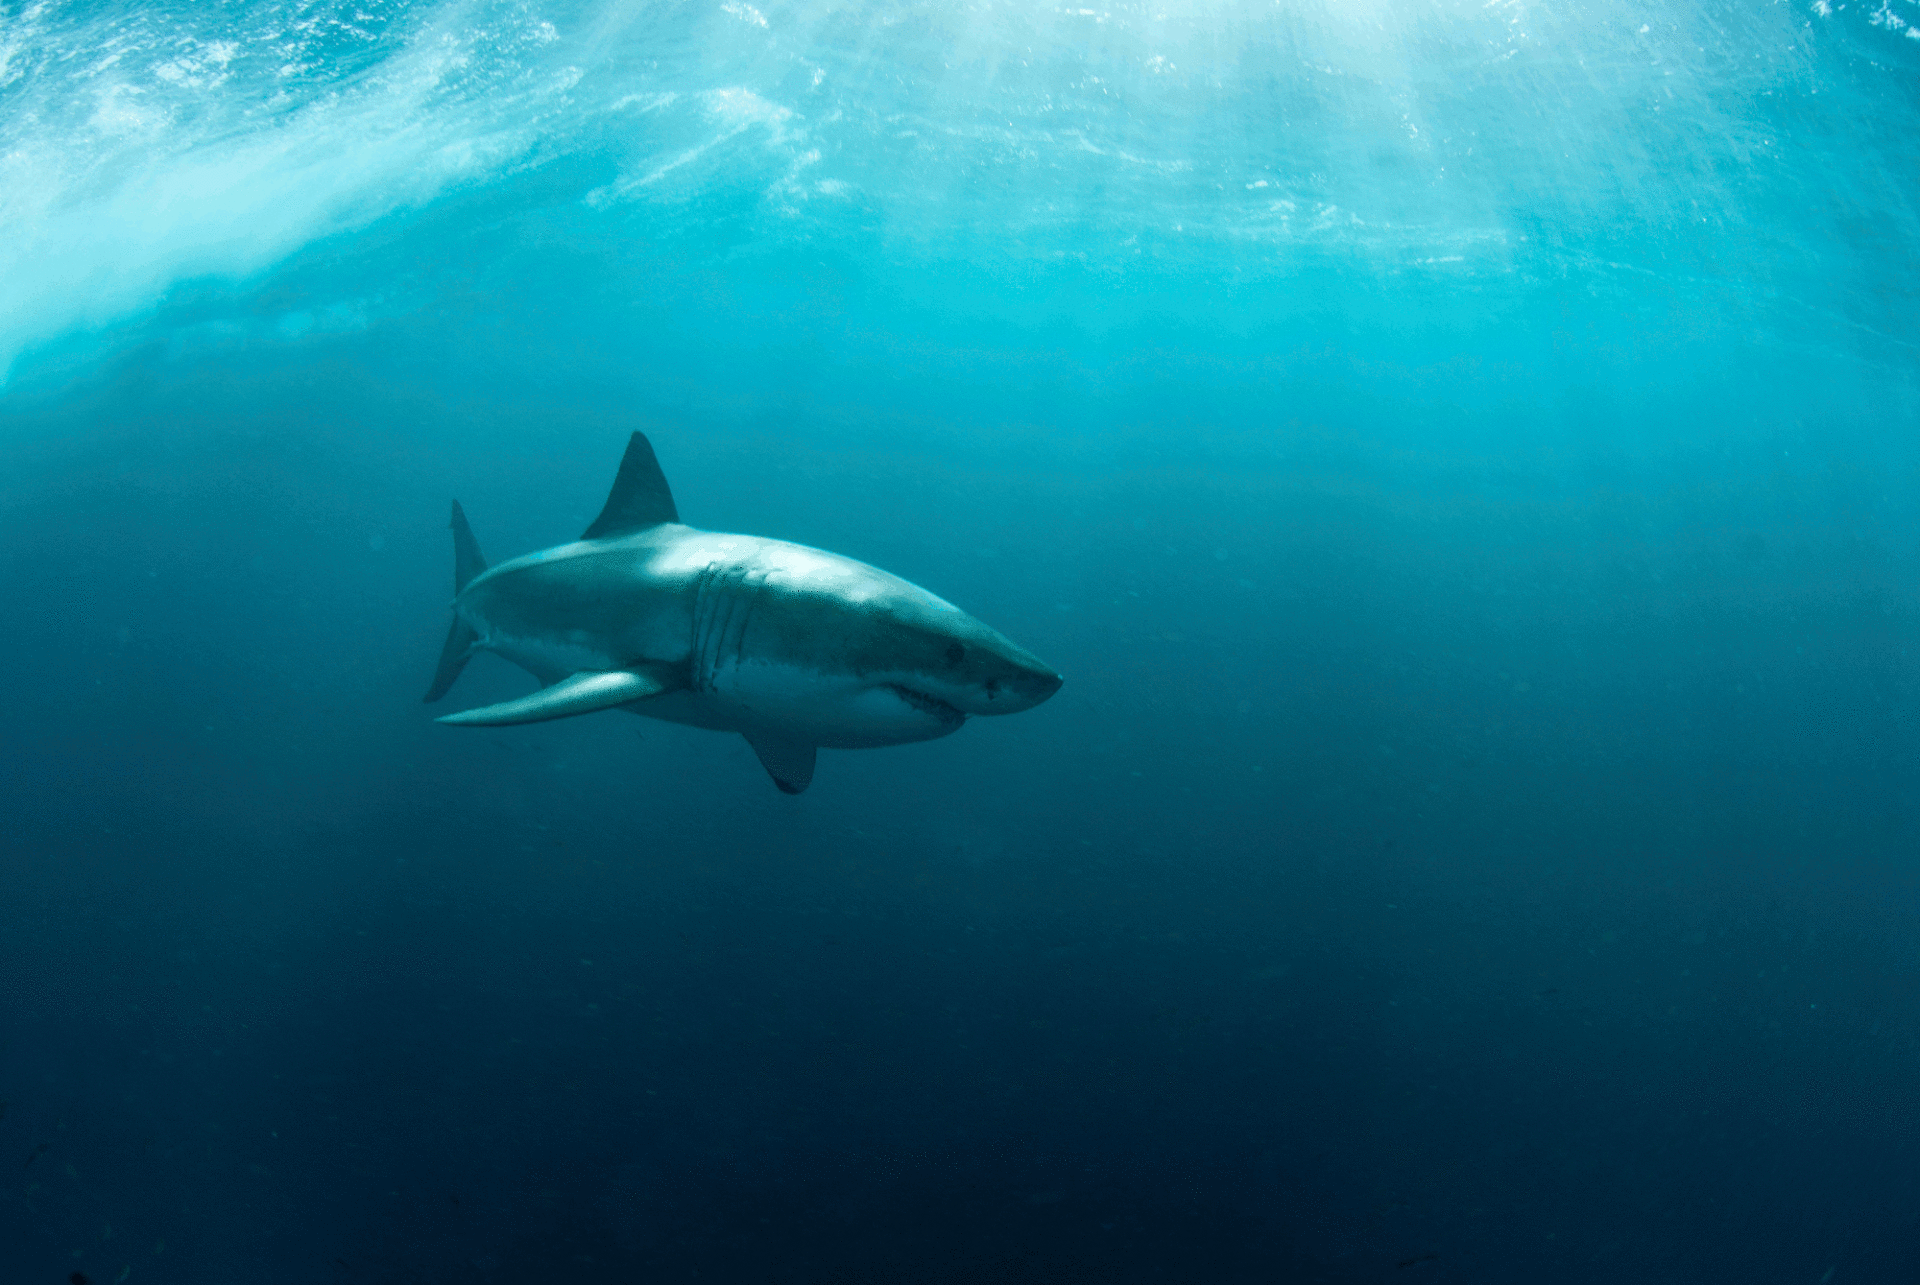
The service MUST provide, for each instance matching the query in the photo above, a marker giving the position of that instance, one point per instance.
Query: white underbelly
(815, 708)
(550, 659)
(802, 704)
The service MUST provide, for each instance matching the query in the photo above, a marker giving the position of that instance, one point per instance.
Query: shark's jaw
(932, 706)
(831, 712)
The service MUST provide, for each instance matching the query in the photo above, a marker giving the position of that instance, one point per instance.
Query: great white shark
(793, 648)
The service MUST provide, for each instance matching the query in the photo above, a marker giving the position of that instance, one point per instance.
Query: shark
(793, 648)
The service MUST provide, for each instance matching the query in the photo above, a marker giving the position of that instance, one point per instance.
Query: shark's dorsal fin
(639, 498)
(584, 693)
(788, 762)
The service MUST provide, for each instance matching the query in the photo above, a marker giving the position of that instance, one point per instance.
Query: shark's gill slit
(746, 594)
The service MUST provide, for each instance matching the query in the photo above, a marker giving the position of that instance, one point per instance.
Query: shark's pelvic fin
(461, 641)
(468, 561)
(583, 693)
(639, 498)
(788, 762)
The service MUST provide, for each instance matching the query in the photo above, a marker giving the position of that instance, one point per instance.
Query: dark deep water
(1463, 460)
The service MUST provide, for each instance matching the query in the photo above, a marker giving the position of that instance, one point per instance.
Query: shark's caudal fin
(639, 498)
(468, 562)
(788, 762)
(584, 693)
(453, 659)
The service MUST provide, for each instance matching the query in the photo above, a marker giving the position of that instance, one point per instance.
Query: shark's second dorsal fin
(639, 498)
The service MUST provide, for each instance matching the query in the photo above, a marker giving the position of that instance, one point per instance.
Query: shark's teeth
(932, 706)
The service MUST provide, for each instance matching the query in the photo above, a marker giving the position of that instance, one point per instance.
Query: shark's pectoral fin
(583, 693)
(788, 762)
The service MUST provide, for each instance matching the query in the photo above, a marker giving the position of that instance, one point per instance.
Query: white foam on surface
(145, 146)
(135, 154)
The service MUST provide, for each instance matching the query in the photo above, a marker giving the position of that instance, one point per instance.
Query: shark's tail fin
(468, 562)
(453, 659)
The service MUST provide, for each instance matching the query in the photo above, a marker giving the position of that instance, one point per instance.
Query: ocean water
(1464, 458)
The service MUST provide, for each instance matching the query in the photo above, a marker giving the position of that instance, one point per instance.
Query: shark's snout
(1022, 689)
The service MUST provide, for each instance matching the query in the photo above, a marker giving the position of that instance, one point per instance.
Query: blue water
(1465, 459)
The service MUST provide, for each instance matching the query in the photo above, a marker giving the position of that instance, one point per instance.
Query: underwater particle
(37, 1152)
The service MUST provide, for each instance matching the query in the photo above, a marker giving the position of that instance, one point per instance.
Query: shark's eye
(956, 653)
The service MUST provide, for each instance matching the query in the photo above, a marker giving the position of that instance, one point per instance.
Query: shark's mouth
(932, 706)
